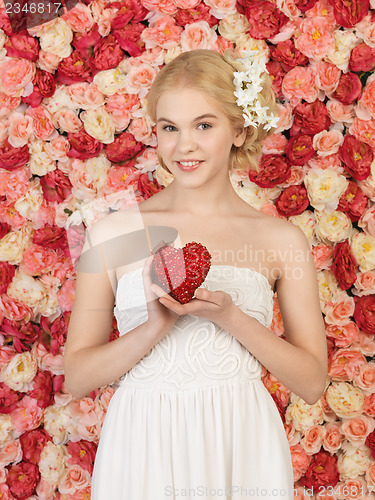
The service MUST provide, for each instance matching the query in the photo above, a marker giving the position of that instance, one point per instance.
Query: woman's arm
(300, 362)
(90, 361)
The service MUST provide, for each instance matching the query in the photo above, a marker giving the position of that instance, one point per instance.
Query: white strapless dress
(193, 419)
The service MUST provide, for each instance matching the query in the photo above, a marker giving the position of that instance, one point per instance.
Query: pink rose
(345, 364)
(163, 33)
(343, 335)
(274, 144)
(140, 78)
(85, 95)
(198, 35)
(15, 74)
(339, 112)
(299, 83)
(42, 123)
(327, 76)
(365, 378)
(339, 312)
(79, 18)
(327, 142)
(332, 438)
(322, 255)
(27, 415)
(38, 260)
(365, 283)
(164, 6)
(67, 120)
(357, 429)
(67, 295)
(315, 39)
(48, 61)
(369, 405)
(300, 461)
(313, 438)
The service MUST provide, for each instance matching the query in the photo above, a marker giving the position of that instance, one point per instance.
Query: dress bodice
(196, 352)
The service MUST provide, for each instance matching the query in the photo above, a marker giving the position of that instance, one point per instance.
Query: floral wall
(75, 144)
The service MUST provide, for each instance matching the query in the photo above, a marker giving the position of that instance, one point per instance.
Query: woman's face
(194, 137)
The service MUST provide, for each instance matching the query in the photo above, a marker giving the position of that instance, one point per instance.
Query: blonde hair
(210, 72)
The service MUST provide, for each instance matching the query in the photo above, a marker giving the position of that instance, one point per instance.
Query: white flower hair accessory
(248, 86)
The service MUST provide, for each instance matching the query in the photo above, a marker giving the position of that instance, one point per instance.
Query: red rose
(44, 86)
(305, 5)
(83, 145)
(56, 332)
(147, 187)
(292, 201)
(353, 202)
(22, 479)
(370, 442)
(310, 118)
(8, 398)
(4, 229)
(129, 10)
(200, 12)
(347, 14)
(56, 186)
(322, 471)
(299, 149)
(129, 39)
(42, 389)
(23, 47)
(344, 265)
(84, 42)
(7, 271)
(123, 148)
(107, 54)
(82, 453)
(357, 157)
(23, 335)
(265, 19)
(364, 313)
(51, 237)
(12, 158)
(32, 444)
(273, 170)
(287, 54)
(73, 69)
(362, 58)
(277, 73)
(348, 89)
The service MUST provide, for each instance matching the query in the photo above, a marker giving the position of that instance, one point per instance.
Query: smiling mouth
(188, 165)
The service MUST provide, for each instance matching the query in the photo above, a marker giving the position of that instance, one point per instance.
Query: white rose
(363, 247)
(329, 289)
(19, 373)
(60, 99)
(40, 163)
(110, 81)
(6, 428)
(306, 222)
(255, 195)
(232, 26)
(302, 414)
(56, 421)
(14, 243)
(353, 461)
(52, 462)
(172, 53)
(345, 400)
(31, 201)
(26, 289)
(98, 123)
(245, 43)
(345, 41)
(324, 188)
(56, 38)
(332, 226)
(220, 9)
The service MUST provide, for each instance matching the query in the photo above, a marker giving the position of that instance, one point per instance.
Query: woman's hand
(215, 306)
(161, 318)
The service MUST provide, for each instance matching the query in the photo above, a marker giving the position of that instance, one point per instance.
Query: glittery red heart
(180, 271)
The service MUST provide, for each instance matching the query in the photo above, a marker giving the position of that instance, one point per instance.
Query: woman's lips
(186, 168)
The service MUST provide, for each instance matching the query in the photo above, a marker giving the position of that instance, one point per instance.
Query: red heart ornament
(180, 271)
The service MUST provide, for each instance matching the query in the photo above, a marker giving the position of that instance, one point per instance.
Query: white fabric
(193, 419)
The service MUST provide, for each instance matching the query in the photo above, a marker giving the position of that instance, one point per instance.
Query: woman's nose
(186, 142)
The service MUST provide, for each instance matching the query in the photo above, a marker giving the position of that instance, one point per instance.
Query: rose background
(76, 143)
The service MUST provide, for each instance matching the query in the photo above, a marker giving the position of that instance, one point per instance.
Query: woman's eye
(205, 126)
(169, 128)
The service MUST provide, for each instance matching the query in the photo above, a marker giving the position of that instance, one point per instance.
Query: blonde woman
(190, 416)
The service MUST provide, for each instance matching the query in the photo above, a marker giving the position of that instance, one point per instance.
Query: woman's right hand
(159, 316)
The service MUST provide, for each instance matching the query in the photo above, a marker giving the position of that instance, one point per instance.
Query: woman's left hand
(215, 306)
